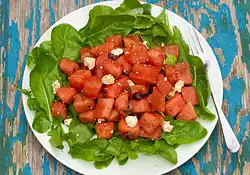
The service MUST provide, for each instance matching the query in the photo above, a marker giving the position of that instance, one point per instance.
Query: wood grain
(224, 23)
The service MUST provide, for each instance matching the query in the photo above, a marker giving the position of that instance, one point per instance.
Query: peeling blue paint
(26, 170)
(45, 166)
(38, 19)
(55, 166)
(52, 13)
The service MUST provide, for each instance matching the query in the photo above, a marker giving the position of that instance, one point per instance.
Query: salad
(123, 85)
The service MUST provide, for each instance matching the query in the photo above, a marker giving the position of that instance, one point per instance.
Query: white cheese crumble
(165, 79)
(167, 127)
(130, 83)
(100, 120)
(162, 44)
(117, 51)
(178, 86)
(171, 94)
(131, 121)
(108, 79)
(67, 121)
(89, 62)
(55, 85)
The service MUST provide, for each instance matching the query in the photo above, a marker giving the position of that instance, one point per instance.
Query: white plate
(146, 165)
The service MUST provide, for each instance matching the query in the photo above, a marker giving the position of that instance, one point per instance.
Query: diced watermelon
(99, 72)
(137, 54)
(114, 116)
(121, 103)
(156, 134)
(140, 106)
(114, 90)
(112, 67)
(127, 67)
(156, 57)
(189, 94)
(149, 122)
(104, 107)
(139, 88)
(106, 47)
(66, 94)
(102, 57)
(126, 131)
(187, 113)
(174, 105)
(147, 72)
(128, 42)
(173, 50)
(136, 78)
(59, 108)
(184, 73)
(105, 130)
(117, 39)
(78, 78)
(85, 52)
(68, 66)
(157, 100)
(135, 38)
(170, 73)
(92, 87)
(83, 104)
(163, 85)
(87, 117)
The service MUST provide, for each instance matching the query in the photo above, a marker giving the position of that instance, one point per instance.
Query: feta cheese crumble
(117, 51)
(178, 86)
(167, 127)
(130, 83)
(131, 121)
(89, 62)
(108, 79)
(55, 85)
(67, 121)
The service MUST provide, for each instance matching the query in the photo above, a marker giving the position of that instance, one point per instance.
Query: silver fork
(229, 136)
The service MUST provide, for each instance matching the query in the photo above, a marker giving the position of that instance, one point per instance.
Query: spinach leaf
(129, 7)
(167, 151)
(96, 11)
(24, 91)
(41, 123)
(41, 79)
(146, 9)
(108, 25)
(103, 164)
(143, 22)
(201, 80)
(171, 59)
(66, 42)
(162, 18)
(184, 132)
(79, 132)
(32, 104)
(33, 57)
(47, 48)
(201, 110)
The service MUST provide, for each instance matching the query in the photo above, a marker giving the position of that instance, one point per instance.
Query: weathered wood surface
(224, 23)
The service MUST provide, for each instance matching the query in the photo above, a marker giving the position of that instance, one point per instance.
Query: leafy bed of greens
(131, 18)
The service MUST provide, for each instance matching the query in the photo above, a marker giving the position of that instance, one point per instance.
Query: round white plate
(146, 165)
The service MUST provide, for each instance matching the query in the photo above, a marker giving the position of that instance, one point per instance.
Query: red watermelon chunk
(163, 85)
(174, 105)
(189, 95)
(187, 112)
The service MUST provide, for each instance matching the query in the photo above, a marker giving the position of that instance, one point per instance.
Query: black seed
(162, 72)
(150, 89)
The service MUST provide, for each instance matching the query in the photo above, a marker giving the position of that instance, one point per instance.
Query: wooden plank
(226, 26)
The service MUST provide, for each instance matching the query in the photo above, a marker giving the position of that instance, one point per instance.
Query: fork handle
(229, 136)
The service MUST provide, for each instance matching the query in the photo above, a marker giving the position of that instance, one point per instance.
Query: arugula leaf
(201, 110)
(41, 122)
(171, 59)
(41, 79)
(66, 42)
(162, 17)
(57, 133)
(184, 131)
(129, 7)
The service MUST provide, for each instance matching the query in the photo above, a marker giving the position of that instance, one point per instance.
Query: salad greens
(131, 18)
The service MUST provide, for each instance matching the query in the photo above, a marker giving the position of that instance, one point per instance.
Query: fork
(229, 136)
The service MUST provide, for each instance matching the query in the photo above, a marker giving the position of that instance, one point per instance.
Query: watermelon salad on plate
(125, 84)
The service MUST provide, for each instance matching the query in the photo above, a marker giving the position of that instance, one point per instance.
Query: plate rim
(30, 120)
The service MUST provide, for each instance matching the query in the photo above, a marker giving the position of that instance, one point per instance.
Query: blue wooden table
(224, 23)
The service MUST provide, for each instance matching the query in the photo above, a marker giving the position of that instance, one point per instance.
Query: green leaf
(41, 122)
(129, 7)
(103, 164)
(66, 42)
(201, 110)
(24, 91)
(171, 59)
(162, 17)
(168, 152)
(33, 57)
(184, 131)
(57, 133)
(41, 79)
(146, 9)
(32, 104)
